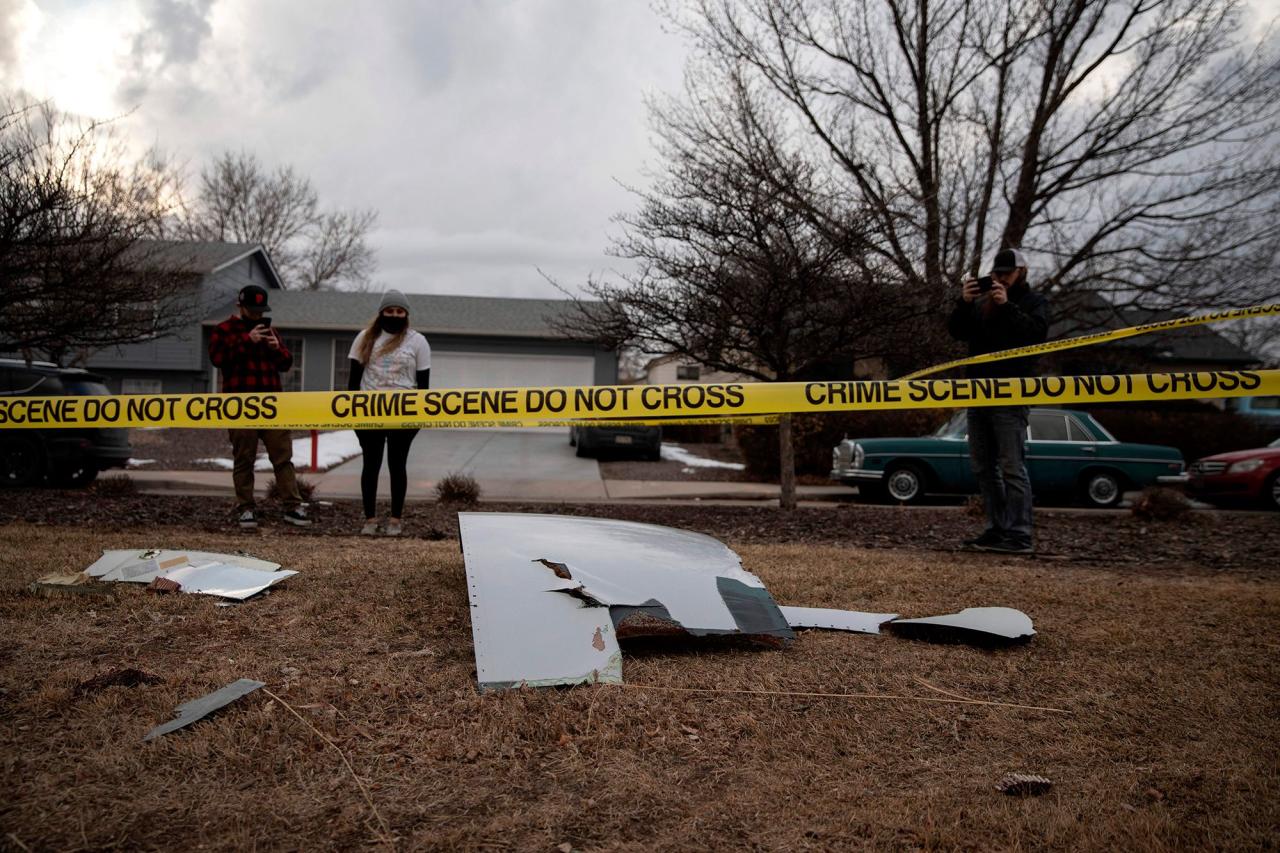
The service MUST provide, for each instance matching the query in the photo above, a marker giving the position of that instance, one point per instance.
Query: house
(678, 370)
(1194, 348)
(475, 341)
(178, 363)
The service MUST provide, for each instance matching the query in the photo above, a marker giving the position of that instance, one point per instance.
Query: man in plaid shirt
(250, 357)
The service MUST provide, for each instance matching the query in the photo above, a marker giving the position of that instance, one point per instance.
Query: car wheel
(1101, 489)
(76, 477)
(1271, 491)
(905, 484)
(21, 461)
(583, 450)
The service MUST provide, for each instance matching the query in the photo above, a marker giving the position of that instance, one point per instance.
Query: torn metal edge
(197, 709)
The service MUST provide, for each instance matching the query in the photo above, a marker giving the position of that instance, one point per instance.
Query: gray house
(475, 341)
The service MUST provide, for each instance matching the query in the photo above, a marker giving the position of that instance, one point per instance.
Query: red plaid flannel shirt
(245, 365)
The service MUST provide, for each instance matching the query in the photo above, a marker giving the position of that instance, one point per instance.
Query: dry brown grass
(1172, 682)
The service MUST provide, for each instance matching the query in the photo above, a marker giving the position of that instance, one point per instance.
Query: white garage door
(496, 370)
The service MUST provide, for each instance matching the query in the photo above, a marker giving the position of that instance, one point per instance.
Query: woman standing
(387, 356)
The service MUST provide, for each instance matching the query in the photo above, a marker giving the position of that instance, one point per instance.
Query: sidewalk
(341, 485)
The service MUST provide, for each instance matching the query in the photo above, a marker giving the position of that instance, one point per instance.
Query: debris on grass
(974, 625)
(197, 709)
(551, 596)
(836, 620)
(235, 576)
(1023, 784)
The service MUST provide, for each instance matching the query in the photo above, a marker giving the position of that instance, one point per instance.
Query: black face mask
(392, 325)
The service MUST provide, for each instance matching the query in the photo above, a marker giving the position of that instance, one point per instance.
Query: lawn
(1169, 680)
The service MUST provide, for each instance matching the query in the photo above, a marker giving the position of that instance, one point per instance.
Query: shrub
(306, 489)
(456, 488)
(1157, 503)
(815, 435)
(116, 485)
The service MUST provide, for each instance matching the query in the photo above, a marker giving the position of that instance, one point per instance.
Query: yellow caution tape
(509, 407)
(1104, 337)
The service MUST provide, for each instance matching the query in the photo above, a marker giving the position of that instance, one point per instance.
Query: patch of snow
(676, 453)
(335, 448)
(138, 463)
(221, 462)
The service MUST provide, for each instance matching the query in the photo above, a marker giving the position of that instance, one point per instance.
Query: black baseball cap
(254, 298)
(1007, 260)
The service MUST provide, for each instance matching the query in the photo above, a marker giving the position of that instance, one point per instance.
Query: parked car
(644, 440)
(1242, 475)
(63, 457)
(1263, 410)
(1068, 454)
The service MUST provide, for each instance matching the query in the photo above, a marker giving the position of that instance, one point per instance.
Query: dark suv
(64, 457)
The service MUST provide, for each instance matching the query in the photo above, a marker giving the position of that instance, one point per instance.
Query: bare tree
(1131, 144)
(240, 200)
(73, 210)
(730, 271)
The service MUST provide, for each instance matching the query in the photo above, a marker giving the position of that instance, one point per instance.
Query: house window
(292, 381)
(688, 372)
(341, 364)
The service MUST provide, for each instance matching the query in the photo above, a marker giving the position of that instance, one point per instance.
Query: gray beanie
(393, 299)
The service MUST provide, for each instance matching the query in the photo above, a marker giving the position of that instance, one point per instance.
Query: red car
(1242, 474)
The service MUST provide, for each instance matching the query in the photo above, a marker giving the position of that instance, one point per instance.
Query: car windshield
(1275, 443)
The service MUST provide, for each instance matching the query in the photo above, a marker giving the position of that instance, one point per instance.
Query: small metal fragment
(1023, 784)
(189, 712)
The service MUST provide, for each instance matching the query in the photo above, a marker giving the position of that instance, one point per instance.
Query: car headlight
(858, 455)
(1245, 467)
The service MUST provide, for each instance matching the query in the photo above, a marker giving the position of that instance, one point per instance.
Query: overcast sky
(490, 135)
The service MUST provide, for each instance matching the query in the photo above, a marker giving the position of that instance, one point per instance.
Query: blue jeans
(997, 450)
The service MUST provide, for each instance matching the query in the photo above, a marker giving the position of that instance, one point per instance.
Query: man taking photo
(251, 357)
(997, 312)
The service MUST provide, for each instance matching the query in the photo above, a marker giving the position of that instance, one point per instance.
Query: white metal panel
(836, 620)
(508, 370)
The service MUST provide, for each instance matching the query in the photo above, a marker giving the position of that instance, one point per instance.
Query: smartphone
(266, 321)
(984, 284)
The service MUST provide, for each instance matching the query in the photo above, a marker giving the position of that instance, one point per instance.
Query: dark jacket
(1020, 322)
(245, 365)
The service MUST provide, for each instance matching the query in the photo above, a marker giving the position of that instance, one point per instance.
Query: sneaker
(370, 528)
(986, 540)
(297, 517)
(248, 521)
(393, 528)
(1011, 546)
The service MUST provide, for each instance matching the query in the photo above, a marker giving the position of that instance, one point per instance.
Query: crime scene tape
(611, 404)
(1103, 337)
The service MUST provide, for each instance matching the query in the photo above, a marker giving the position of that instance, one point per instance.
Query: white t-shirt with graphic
(396, 370)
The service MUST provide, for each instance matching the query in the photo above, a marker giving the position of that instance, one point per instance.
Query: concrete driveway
(515, 464)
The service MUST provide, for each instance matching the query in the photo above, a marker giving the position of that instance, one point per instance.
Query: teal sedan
(1068, 454)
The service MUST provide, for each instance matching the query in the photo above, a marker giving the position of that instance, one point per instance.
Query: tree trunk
(787, 464)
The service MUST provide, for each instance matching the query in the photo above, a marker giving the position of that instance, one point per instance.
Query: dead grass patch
(1171, 743)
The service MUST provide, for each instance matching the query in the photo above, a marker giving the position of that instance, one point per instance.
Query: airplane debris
(980, 625)
(552, 595)
(197, 709)
(836, 620)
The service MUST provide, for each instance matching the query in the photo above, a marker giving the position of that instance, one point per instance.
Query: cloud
(490, 135)
(172, 36)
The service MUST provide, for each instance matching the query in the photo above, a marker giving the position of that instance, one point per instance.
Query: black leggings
(397, 442)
